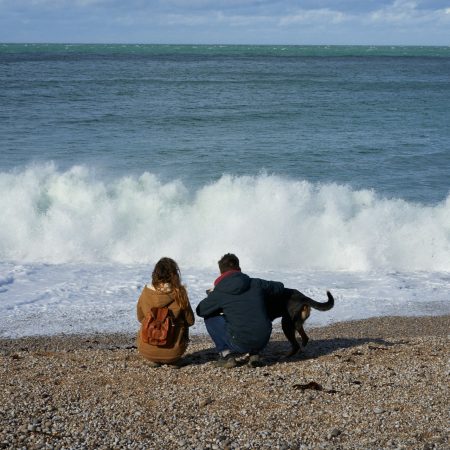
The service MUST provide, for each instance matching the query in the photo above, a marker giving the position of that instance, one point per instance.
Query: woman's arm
(189, 316)
(139, 313)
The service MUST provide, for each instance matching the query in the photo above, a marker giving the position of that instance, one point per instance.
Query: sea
(324, 167)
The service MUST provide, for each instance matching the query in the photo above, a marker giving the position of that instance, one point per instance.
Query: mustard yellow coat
(150, 298)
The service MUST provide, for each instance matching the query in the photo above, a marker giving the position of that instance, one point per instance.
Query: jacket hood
(235, 283)
(159, 299)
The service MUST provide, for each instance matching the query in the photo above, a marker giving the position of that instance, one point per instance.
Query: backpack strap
(161, 313)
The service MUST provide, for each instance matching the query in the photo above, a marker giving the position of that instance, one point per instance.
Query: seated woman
(167, 291)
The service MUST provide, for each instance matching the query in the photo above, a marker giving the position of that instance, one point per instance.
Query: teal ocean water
(321, 166)
(369, 117)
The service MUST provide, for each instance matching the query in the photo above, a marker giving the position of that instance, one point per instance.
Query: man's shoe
(227, 362)
(255, 361)
(153, 364)
(177, 364)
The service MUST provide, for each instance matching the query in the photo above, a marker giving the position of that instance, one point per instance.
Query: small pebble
(202, 407)
(334, 433)
(205, 401)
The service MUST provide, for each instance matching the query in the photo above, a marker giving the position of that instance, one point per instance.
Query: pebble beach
(379, 383)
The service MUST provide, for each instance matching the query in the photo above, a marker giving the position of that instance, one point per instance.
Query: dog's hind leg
(304, 336)
(304, 314)
(289, 331)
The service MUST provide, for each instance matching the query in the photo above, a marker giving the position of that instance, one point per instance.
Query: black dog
(294, 308)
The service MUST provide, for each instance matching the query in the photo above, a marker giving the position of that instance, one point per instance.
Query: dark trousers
(217, 330)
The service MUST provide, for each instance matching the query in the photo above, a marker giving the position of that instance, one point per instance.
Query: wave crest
(269, 221)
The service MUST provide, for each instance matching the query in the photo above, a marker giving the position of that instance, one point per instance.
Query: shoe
(176, 365)
(227, 362)
(153, 364)
(255, 361)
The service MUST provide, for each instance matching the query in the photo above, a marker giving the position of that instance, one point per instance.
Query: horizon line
(221, 44)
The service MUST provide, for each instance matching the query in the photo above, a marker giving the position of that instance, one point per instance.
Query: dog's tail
(320, 306)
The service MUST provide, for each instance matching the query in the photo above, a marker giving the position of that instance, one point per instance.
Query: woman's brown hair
(167, 271)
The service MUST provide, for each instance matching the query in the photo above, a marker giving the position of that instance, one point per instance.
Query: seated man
(235, 312)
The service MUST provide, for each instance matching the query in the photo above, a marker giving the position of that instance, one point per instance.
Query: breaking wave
(269, 221)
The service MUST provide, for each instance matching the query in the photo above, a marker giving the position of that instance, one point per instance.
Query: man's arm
(209, 306)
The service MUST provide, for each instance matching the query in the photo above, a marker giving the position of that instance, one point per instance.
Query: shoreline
(372, 383)
(372, 327)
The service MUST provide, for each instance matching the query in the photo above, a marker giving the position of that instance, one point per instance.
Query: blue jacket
(241, 299)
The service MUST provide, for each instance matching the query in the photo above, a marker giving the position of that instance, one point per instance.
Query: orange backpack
(158, 327)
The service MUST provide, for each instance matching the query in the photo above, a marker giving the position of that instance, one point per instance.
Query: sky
(295, 22)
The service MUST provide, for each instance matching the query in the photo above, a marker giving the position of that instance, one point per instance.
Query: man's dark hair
(228, 262)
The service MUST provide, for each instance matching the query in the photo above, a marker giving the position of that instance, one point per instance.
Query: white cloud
(186, 19)
(242, 20)
(314, 16)
(399, 12)
(214, 18)
(45, 4)
(406, 12)
(84, 3)
(402, 21)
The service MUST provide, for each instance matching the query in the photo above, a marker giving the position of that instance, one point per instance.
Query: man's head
(228, 262)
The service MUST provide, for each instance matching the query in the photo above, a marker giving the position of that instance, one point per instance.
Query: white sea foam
(75, 251)
(269, 221)
(46, 299)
